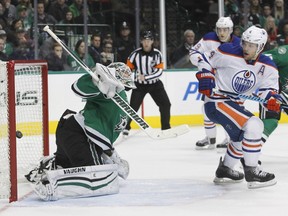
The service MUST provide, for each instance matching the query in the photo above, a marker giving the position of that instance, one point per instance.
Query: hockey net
(24, 108)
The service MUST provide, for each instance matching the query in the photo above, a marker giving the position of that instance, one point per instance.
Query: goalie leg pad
(78, 182)
(123, 165)
(45, 164)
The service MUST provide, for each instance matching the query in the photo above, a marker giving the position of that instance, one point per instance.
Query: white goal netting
(28, 119)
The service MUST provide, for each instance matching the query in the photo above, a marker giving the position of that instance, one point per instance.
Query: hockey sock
(269, 126)
(210, 127)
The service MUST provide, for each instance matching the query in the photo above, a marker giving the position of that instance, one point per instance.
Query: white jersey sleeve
(209, 42)
(196, 52)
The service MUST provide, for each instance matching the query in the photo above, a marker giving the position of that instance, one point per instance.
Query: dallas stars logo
(121, 125)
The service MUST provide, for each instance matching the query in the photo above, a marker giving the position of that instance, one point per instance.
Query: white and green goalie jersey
(101, 118)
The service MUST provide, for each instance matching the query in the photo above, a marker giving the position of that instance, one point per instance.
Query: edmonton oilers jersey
(234, 74)
(210, 41)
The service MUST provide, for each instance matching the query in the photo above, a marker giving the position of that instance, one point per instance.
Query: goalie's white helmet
(123, 74)
(257, 36)
(224, 22)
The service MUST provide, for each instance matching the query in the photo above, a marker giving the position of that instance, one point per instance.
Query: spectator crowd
(17, 34)
(17, 31)
(269, 14)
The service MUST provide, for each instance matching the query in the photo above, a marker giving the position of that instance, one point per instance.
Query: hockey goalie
(85, 162)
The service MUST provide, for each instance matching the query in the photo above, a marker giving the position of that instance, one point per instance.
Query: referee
(147, 64)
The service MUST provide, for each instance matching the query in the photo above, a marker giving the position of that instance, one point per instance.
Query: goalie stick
(122, 104)
(249, 97)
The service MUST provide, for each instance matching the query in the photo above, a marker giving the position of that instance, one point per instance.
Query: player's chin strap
(255, 98)
(120, 102)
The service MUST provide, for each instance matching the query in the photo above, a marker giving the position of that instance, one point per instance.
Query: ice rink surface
(168, 178)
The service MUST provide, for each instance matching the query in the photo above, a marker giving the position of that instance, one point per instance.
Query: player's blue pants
(230, 115)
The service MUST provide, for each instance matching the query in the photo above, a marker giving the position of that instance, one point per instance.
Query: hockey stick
(120, 102)
(246, 97)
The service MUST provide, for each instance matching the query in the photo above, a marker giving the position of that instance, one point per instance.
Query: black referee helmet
(147, 35)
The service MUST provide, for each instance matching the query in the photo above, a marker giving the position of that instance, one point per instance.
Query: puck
(19, 134)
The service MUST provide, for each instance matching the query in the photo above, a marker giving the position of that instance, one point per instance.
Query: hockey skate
(223, 144)
(45, 164)
(206, 144)
(45, 190)
(256, 177)
(225, 174)
(221, 147)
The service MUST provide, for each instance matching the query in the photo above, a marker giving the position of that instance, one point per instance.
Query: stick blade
(169, 133)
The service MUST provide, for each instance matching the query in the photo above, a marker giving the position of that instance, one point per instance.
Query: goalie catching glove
(206, 82)
(273, 102)
(107, 82)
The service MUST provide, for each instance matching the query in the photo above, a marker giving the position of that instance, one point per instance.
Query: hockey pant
(73, 147)
(210, 126)
(244, 129)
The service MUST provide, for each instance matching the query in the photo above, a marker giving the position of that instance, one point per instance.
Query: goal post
(23, 108)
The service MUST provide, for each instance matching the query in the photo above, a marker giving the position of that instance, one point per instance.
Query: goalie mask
(123, 74)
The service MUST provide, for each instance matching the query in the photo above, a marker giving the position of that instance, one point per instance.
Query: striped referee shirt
(149, 64)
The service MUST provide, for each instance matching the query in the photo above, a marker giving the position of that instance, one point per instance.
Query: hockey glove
(273, 102)
(107, 83)
(206, 82)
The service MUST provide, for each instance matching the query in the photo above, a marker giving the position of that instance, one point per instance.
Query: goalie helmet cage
(24, 107)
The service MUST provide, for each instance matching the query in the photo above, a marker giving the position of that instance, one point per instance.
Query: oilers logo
(243, 81)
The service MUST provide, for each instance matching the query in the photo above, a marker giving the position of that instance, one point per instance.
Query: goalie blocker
(86, 181)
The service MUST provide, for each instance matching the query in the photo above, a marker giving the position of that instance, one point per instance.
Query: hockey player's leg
(45, 164)
(269, 126)
(251, 145)
(136, 99)
(270, 120)
(210, 130)
(78, 182)
(226, 172)
(45, 190)
(38, 178)
(221, 147)
(221, 113)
